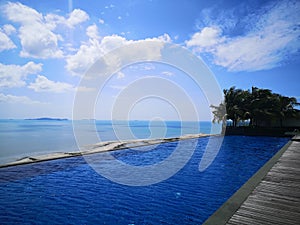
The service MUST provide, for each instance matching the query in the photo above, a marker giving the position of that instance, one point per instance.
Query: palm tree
(233, 101)
(286, 107)
(219, 113)
(260, 106)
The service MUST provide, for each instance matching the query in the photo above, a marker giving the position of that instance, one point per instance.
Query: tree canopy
(256, 106)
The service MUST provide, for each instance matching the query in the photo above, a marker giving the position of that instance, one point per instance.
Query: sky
(48, 47)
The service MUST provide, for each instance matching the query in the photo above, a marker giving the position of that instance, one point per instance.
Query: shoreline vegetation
(102, 147)
(257, 112)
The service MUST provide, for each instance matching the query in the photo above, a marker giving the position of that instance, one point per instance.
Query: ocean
(22, 138)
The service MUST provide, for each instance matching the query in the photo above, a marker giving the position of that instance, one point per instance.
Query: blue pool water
(69, 191)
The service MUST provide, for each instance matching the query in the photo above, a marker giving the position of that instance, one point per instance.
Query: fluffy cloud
(42, 84)
(88, 52)
(207, 37)
(17, 99)
(36, 32)
(42, 45)
(272, 39)
(14, 75)
(37, 39)
(5, 42)
(92, 32)
(96, 47)
(109, 43)
(9, 29)
(76, 17)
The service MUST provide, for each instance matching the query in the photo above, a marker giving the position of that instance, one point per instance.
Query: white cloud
(207, 37)
(14, 75)
(142, 66)
(148, 66)
(92, 32)
(76, 17)
(9, 29)
(53, 20)
(36, 32)
(165, 38)
(38, 41)
(249, 53)
(111, 6)
(96, 47)
(87, 54)
(101, 21)
(120, 75)
(109, 43)
(42, 84)
(167, 73)
(32, 68)
(273, 38)
(17, 99)
(44, 44)
(5, 42)
(117, 87)
(85, 89)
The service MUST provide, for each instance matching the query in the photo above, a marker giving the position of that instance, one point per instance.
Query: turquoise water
(21, 138)
(69, 191)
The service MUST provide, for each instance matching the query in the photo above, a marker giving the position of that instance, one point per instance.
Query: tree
(286, 107)
(260, 107)
(219, 113)
(234, 99)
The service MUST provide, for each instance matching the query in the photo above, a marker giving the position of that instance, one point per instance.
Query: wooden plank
(270, 210)
(275, 202)
(276, 199)
(272, 196)
(243, 220)
(260, 218)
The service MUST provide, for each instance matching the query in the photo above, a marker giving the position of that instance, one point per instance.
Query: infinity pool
(69, 191)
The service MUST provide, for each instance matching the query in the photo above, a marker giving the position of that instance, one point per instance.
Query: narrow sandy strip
(101, 147)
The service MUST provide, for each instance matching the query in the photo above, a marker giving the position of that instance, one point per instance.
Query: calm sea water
(69, 191)
(21, 138)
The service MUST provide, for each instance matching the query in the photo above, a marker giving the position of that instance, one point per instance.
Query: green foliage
(258, 105)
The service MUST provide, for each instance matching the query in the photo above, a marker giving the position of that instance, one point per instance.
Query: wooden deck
(275, 198)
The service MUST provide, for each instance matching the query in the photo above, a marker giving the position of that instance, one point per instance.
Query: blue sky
(47, 46)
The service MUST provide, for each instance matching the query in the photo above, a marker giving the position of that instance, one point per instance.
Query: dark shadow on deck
(262, 131)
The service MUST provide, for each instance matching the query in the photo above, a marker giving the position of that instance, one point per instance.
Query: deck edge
(226, 211)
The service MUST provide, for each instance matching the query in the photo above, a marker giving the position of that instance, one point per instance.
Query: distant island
(48, 118)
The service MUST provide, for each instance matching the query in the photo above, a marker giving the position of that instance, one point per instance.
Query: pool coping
(102, 147)
(226, 211)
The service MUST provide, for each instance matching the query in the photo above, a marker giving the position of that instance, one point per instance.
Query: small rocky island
(49, 118)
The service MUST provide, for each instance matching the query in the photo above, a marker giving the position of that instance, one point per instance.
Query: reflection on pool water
(69, 191)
